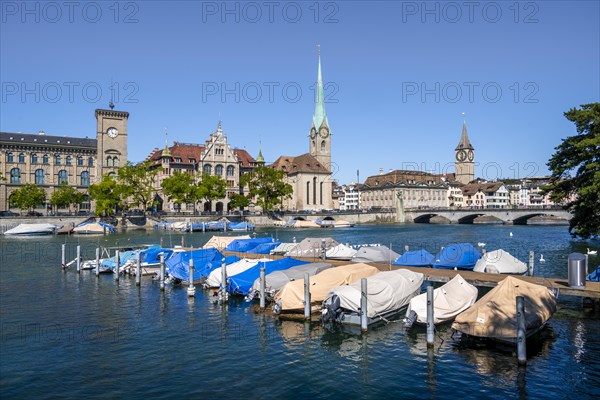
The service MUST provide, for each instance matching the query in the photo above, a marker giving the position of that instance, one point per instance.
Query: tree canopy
(28, 196)
(109, 195)
(237, 200)
(575, 167)
(180, 188)
(269, 187)
(65, 196)
(139, 179)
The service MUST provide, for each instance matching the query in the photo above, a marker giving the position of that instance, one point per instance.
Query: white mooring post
(182, 241)
(521, 334)
(191, 288)
(406, 248)
(262, 287)
(306, 296)
(138, 269)
(430, 323)
(78, 262)
(63, 263)
(531, 263)
(117, 262)
(224, 294)
(161, 242)
(162, 272)
(364, 323)
(97, 261)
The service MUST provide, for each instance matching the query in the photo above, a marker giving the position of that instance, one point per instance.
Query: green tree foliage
(28, 196)
(237, 200)
(210, 188)
(268, 185)
(180, 188)
(109, 195)
(65, 196)
(575, 170)
(140, 180)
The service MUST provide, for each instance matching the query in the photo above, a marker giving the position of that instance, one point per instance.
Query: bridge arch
(468, 219)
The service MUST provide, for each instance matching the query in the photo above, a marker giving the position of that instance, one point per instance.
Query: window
(57, 160)
(177, 159)
(34, 158)
(79, 161)
(207, 169)
(230, 183)
(230, 170)
(21, 158)
(9, 157)
(69, 160)
(46, 159)
(115, 161)
(15, 175)
(307, 192)
(85, 178)
(39, 176)
(91, 161)
(315, 190)
(63, 177)
(321, 193)
(112, 175)
(219, 170)
(323, 146)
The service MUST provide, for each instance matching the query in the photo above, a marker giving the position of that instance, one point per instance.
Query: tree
(237, 200)
(210, 188)
(180, 188)
(140, 180)
(268, 185)
(28, 196)
(109, 196)
(65, 196)
(575, 168)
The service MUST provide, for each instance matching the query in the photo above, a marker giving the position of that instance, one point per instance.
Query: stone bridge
(516, 216)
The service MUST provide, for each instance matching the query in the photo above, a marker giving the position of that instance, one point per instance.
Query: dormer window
(177, 159)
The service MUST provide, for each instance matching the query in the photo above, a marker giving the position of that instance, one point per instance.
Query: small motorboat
(94, 228)
(500, 262)
(31, 229)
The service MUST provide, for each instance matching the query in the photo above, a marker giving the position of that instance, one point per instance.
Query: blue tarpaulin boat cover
(594, 276)
(124, 256)
(205, 260)
(242, 282)
(152, 255)
(264, 248)
(241, 226)
(416, 258)
(457, 255)
(244, 245)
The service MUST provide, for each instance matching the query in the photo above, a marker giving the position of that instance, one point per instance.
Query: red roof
(192, 153)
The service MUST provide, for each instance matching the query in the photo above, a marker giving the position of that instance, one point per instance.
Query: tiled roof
(302, 163)
(187, 152)
(46, 140)
(472, 188)
(402, 177)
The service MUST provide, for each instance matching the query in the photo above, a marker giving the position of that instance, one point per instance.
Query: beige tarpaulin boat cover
(304, 224)
(500, 262)
(386, 291)
(220, 242)
(449, 300)
(291, 296)
(494, 315)
(214, 278)
(278, 279)
(311, 247)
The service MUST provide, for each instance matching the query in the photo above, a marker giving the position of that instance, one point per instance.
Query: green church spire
(319, 116)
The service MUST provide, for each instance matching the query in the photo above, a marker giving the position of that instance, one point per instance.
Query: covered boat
(494, 315)
(291, 296)
(205, 261)
(110, 264)
(32, 229)
(94, 228)
(264, 248)
(379, 254)
(244, 245)
(220, 242)
(594, 276)
(278, 279)
(500, 262)
(214, 278)
(242, 282)
(312, 247)
(241, 226)
(283, 248)
(415, 258)
(449, 300)
(388, 292)
(340, 252)
(457, 256)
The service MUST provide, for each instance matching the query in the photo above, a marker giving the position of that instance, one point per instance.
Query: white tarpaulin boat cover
(449, 300)
(214, 278)
(380, 254)
(500, 262)
(32, 229)
(494, 315)
(304, 224)
(311, 247)
(341, 252)
(283, 248)
(278, 279)
(94, 228)
(386, 291)
(220, 242)
(291, 296)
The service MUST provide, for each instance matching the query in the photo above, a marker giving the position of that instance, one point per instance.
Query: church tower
(111, 135)
(465, 155)
(320, 134)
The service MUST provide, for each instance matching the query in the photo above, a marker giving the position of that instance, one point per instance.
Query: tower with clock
(320, 134)
(111, 135)
(465, 156)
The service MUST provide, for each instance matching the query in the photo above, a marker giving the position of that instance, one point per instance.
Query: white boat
(32, 229)
(220, 242)
(214, 278)
(388, 293)
(500, 262)
(94, 228)
(312, 247)
(340, 252)
(449, 300)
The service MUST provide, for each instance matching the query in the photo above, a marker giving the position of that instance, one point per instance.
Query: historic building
(310, 173)
(49, 160)
(214, 157)
(465, 156)
(486, 195)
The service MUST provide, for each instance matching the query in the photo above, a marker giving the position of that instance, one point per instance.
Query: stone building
(486, 195)
(465, 156)
(49, 160)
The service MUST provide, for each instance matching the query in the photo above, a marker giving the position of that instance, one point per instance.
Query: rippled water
(69, 334)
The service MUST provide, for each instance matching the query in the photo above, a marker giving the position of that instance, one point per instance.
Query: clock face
(471, 155)
(461, 155)
(324, 133)
(112, 132)
(313, 133)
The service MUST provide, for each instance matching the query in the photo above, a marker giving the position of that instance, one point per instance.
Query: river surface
(73, 335)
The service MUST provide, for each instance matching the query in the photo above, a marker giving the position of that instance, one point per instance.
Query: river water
(65, 334)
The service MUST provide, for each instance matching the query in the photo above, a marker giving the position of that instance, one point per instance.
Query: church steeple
(166, 152)
(320, 134)
(465, 156)
(464, 143)
(319, 116)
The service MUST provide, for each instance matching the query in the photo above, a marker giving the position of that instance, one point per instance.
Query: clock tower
(320, 134)
(111, 135)
(465, 155)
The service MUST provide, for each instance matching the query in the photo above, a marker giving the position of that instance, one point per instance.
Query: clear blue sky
(169, 58)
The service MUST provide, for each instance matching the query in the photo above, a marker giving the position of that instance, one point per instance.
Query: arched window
(230, 170)
(69, 160)
(57, 159)
(46, 159)
(219, 170)
(63, 176)
(321, 193)
(315, 190)
(79, 161)
(9, 157)
(85, 178)
(115, 161)
(307, 192)
(207, 169)
(15, 175)
(22, 158)
(39, 176)
(34, 158)
(323, 146)
(112, 175)
(91, 161)
(109, 161)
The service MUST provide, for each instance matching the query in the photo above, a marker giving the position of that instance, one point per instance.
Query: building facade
(350, 197)
(465, 158)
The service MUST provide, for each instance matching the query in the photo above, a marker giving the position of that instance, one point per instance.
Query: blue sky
(400, 74)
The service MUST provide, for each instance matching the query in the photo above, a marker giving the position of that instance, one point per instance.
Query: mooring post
(406, 248)
(63, 263)
(262, 287)
(224, 226)
(323, 250)
(521, 334)
(97, 261)
(161, 242)
(191, 289)
(138, 269)
(430, 323)
(117, 262)
(78, 262)
(162, 272)
(531, 263)
(306, 296)
(182, 241)
(363, 305)
(224, 294)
